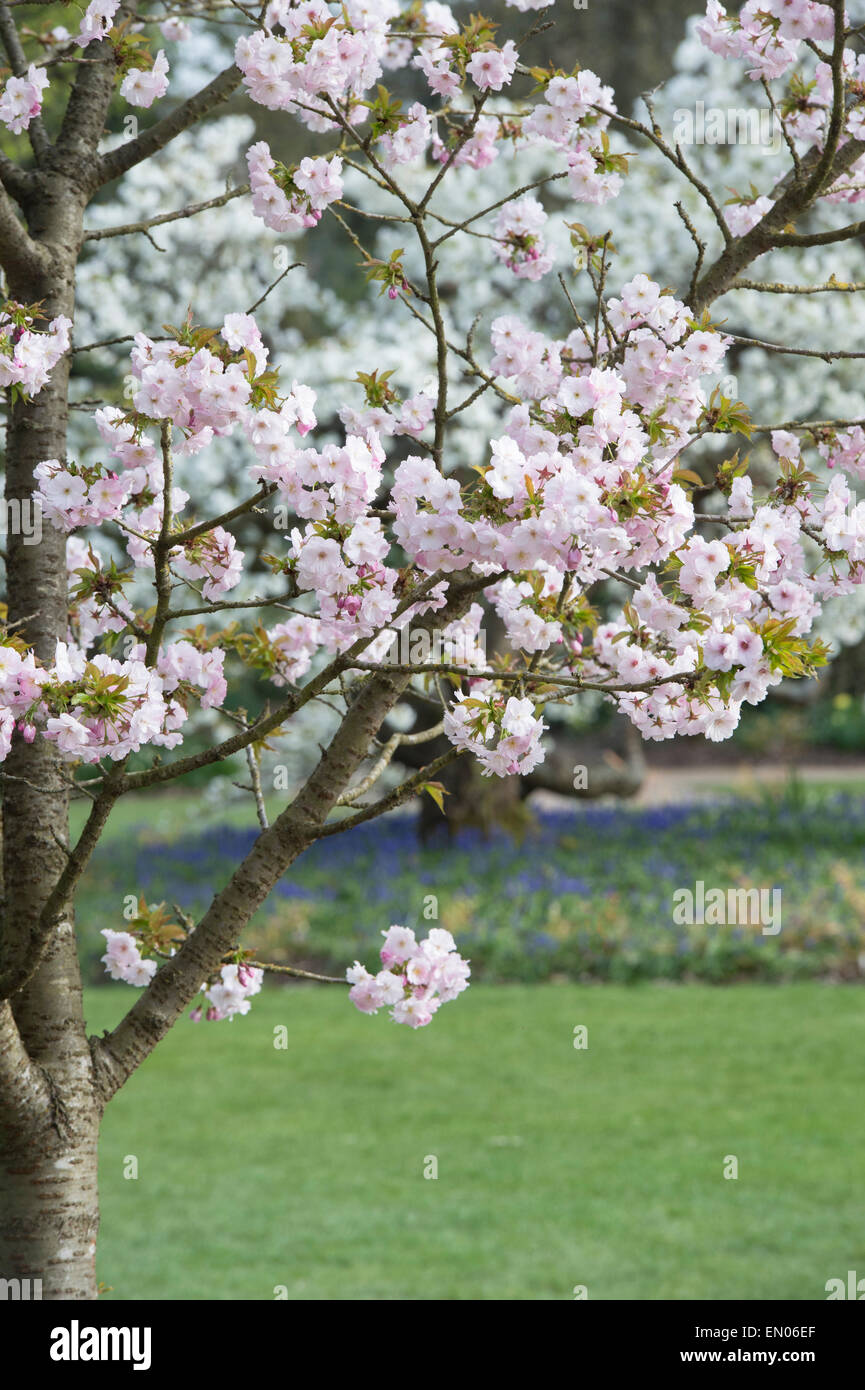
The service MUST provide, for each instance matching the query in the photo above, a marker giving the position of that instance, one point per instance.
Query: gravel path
(665, 786)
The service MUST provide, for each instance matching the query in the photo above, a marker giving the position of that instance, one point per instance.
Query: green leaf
(438, 792)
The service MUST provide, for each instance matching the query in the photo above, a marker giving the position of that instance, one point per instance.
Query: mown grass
(303, 1167)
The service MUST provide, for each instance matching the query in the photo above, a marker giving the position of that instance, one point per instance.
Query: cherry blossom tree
(387, 551)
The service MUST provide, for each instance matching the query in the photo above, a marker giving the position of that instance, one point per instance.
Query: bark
(49, 1106)
(48, 1206)
(48, 1176)
(48, 1139)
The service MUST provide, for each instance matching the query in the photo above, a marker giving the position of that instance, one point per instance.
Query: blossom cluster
(504, 734)
(123, 959)
(143, 86)
(90, 708)
(766, 34)
(416, 977)
(205, 393)
(292, 199)
(520, 244)
(412, 418)
(322, 67)
(230, 994)
(22, 99)
(94, 707)
(227, 994)
(29, 355)
(314, 61)
(97, 21)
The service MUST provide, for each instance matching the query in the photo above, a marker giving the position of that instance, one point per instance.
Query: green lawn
(304, 1167)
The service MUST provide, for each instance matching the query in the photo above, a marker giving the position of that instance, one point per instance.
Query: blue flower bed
(587, 893)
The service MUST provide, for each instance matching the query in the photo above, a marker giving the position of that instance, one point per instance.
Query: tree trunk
(49, 1209)
(48, 1174)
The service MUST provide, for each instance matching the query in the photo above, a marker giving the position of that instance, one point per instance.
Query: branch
(183, 537)
(295, 265)
(20, 256)
(848, 233)
(396, 797)
(84, 120)
(217, 607)
(822, 171)
(161, 548)
(100, 234)
(824, 355)
(178, 981)
(454, 227)
(255, 780)
(776, 287)
(15, 180)
(768, 232)
(25, 1097)
(119, 161)
(166, 772)
(698, 242)
(111, 342)
(350, 796)
(542, 678)
(807, 425)
(297, 974)
(675, 157)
